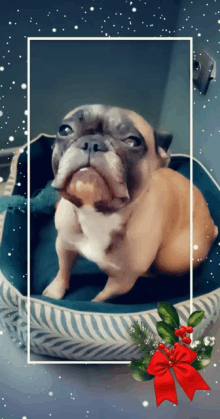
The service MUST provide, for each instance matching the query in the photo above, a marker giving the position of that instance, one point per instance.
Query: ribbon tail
(190, 380)
(165, 388)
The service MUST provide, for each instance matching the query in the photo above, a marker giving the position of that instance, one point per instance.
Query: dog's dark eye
(65, 130)
(132, 141)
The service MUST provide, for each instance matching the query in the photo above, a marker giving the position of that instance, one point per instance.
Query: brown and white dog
(121, 206)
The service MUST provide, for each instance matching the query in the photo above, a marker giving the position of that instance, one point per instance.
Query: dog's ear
(163, 140)
(162, 144)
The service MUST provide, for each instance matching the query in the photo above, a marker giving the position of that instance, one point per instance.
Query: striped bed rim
(74, 335)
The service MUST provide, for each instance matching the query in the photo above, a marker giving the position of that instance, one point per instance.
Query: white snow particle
(11, 138)
(75, 27)
(195, 247)
(50, 393)
(1, 179)
(92, 8)
(1, 113)
(134, 9)
(54, 30)
(2, 68)
(23, 86)
(199, 34)
(9, 254)
(145, 403)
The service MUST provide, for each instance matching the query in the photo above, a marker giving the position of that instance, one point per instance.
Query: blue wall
(175, 114)
(206, 108)
(66, 74)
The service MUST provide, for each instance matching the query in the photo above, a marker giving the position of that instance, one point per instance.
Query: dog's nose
(92, 145)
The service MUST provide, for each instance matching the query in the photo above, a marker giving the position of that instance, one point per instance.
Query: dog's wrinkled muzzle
(103, 176)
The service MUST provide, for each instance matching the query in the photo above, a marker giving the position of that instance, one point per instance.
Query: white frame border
(190, 39)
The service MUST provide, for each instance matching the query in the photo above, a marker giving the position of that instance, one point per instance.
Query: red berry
(186, 339)
(167, 351)
(171, 358)
(189, 329)
(177, 332)
(161, 345)
(171, 364)
(172, 350)
(182, 331)
(176, 344)
(183, 328)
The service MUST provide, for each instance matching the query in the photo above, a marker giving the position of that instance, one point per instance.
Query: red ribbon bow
(187, 376)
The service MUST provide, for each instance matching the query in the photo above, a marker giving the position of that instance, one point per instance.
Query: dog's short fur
(121, 206)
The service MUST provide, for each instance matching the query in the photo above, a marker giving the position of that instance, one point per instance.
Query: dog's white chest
(97, 229)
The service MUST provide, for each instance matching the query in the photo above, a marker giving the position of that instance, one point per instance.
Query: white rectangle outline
(28, 181)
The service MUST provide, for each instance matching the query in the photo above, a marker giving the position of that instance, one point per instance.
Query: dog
(121, 206)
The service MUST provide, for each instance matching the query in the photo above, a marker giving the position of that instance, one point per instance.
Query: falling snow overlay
(30, 391)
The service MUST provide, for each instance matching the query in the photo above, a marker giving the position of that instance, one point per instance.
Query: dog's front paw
(56, 289)
(99, 297)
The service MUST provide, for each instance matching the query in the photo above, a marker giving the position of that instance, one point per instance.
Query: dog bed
(74, 328)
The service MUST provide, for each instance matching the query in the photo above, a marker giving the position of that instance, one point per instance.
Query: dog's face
(104, 155)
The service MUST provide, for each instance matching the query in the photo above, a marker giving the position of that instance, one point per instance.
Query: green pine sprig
(147, 342)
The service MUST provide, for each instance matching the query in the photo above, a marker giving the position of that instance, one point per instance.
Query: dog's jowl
(121, 206)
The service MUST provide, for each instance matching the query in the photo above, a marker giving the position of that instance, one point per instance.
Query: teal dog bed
(74, 328)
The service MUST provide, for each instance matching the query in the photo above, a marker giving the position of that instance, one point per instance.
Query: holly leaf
(138, 369)
(166, 332)
(195, 318)
(168, 314)
(203, 358)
